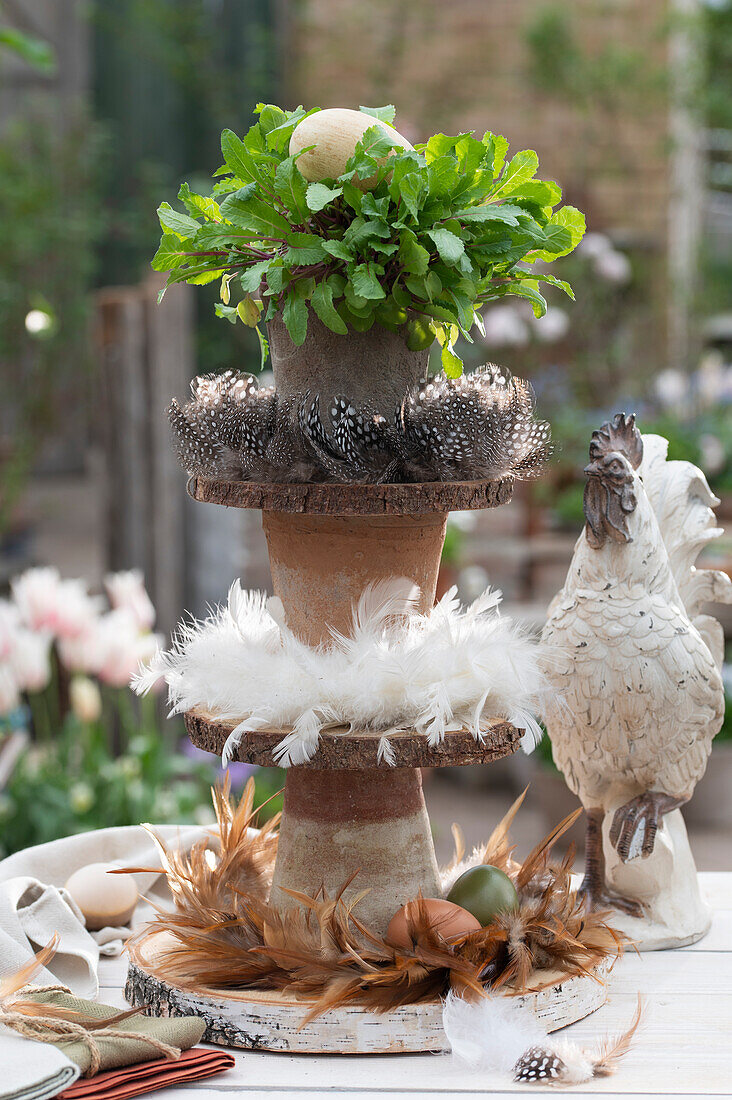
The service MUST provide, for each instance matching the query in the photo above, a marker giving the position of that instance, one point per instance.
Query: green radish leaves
(418, 239)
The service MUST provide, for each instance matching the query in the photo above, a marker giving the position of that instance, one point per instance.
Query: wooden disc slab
(259, 1019)
(340, 749)
(329, 498)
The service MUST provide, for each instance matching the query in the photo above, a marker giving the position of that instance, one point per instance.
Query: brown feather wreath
(228, 936)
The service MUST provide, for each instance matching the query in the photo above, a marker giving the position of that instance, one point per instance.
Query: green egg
(485, 892)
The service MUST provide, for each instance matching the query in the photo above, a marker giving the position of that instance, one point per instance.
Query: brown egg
(450, 920)
(334, 133)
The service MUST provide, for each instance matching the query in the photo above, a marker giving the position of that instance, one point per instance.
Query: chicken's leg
(593, 883)
(593, 889)
(634, 827)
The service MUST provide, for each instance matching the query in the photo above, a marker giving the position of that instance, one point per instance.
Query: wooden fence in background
(190, 553)
(146, 357)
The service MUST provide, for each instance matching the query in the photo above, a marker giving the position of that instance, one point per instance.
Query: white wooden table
(684, 1047)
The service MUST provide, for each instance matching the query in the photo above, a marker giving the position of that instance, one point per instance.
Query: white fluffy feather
(448, 669)
(490, 1034)
(385, 752)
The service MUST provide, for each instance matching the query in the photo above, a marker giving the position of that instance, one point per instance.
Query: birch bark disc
(260, 1019)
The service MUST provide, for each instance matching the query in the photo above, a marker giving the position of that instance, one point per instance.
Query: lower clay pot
(338, 822)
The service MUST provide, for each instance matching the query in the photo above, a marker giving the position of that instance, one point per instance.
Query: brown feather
(458, 839)
(537, 859)
(605, 1062)
(498, 849)
(12, 983)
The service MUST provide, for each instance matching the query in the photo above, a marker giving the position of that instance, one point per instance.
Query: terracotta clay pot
(374, 368)
(371, 821)
(337, 822)
(321, 564)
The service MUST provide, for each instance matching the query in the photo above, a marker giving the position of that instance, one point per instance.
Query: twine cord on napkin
(55, 1029)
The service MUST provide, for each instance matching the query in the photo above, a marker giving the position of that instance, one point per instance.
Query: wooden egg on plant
(485, 892)
(334, 135)
(450, 920)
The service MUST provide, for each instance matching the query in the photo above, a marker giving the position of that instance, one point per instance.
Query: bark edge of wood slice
(360, 750)
(259, 1019)
(335, 499)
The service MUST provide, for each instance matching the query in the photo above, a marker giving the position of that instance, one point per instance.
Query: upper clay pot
(373, 368)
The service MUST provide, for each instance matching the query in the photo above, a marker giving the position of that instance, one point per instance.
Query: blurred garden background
(105, 107)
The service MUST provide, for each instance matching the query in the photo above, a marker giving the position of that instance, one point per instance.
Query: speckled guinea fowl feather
(366, 439)
(481, 425)
(236, 430)
(562, 1062)
(478, 426)
(316, 440)
(199, 451)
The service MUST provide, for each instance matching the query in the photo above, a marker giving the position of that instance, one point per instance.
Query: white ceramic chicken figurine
(637, 668)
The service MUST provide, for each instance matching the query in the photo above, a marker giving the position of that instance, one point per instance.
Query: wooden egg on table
(485, 892)
(335, 133)
(104, 899)
(448, 919)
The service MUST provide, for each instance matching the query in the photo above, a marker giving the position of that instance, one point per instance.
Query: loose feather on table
(499, 1035)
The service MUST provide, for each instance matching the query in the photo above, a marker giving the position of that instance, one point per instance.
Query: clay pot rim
(335, 498)
(341, 750)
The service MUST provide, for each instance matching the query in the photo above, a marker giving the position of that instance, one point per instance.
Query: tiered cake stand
(344, 811)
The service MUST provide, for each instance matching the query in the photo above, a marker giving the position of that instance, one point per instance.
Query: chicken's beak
(593, 468)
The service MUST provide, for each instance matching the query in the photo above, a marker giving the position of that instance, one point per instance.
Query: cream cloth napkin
(34, 905)
(32, 1071)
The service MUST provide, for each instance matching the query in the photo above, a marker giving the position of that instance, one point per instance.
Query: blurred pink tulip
(46, 609)
(30, 659)
(9, 623)
(44, 601)
(127, 591)
(121, 647)
(9, 691)
(85, 699)
(80, 654)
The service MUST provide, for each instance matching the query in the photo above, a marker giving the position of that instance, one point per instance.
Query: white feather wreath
(449, 669)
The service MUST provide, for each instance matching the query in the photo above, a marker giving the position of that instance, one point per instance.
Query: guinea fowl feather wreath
(477, 426)
(433, 672)
(228, 936)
